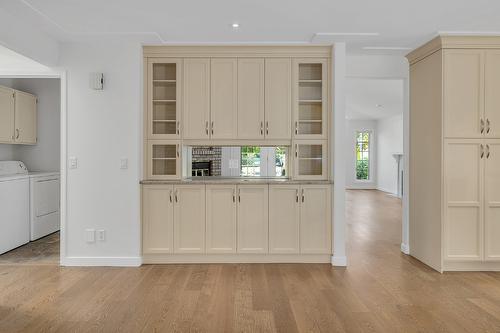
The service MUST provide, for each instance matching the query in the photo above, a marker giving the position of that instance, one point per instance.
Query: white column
(338, 152)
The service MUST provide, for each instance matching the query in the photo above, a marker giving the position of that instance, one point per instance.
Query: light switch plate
(124, 163)
(90, 235)
(73, 162)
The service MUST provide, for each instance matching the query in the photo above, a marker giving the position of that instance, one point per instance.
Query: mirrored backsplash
(242, 161)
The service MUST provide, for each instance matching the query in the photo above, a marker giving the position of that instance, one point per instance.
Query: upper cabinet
(223, 98)
(18, 117)
(278, 99)
(196, 107)
(310, 91)
(492, 97)
(251, 98)
(6, 115)
(164, 98)
(471, 100)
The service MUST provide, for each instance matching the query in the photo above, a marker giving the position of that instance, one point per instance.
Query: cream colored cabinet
(284, 218)
(189, 219)
(253, 219)
(278, 89)
(491, 95)
(163, 159)
(221, 219)
(310, 159)
(196, 98)
(157, 219)
(164, 80)
(315, 219)
(25, 119)
(7, 115)
(463, 99)
(463, 172)
(310, 102)
(251, 98)
(492, 199)
(224, 97)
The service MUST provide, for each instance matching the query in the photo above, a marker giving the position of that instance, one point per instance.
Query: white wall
(354, 126)
(103, 127)
(389, 141)
(45, 155)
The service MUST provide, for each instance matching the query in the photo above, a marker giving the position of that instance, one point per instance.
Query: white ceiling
(366, 23)
(373, 98)
(12, 61)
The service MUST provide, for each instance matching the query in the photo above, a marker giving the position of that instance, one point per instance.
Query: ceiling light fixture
(235, 25)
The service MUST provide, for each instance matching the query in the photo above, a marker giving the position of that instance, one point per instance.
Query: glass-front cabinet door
(164, 159)
(310, 98)
(310, 158)
(164, 98)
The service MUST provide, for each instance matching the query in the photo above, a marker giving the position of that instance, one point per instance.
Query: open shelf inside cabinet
(164, 159)
(310, 159)
(310, 99)
(164, 111)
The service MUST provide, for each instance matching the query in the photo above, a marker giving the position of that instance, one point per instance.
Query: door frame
(62, 76)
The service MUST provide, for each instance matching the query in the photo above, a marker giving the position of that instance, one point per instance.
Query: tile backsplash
(213, 154)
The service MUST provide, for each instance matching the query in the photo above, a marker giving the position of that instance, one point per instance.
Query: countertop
(225, 180)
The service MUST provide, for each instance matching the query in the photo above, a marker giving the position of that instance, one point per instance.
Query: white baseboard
(339, 261)
(102, 261)
(387, 191)
(405, 248)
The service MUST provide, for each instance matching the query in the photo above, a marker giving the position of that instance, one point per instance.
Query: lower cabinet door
(189, 219)
(253, 219)
(463, 195)
(315, 219)
(221, 219)
(157, 219)
(284, 217)
(492, 200)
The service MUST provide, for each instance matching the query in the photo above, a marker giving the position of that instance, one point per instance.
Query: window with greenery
(363, 155)
(263, 161)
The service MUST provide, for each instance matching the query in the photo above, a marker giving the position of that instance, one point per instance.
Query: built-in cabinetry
(455, 153)
(17, 117)
(236, 219)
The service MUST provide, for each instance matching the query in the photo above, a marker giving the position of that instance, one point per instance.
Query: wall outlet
(124, 163)
(73, 162)
(101, 235)
(90, 235)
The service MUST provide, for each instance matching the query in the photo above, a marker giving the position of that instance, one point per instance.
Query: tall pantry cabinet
(455, 153)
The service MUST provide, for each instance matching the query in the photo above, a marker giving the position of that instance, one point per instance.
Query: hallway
(382, 290)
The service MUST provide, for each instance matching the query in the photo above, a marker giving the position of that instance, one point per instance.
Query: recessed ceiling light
(235, 25)
(378, 105)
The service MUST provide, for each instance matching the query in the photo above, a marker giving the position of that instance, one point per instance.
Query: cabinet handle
(261, 128)
(239, 195)
(296, 127)
(487, 126)
(170, 196)
(234, 196)
(178, 128)
(482, 151)
(482, 126)
(297, 195)
(303, 196)
(17, 133)
(206, 127)
(267, 127)
(176, 196)
(177, 148)
(296, 150)
(212, 127)
(487, 151)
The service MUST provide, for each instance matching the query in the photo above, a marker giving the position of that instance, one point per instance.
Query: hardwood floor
(382, 290)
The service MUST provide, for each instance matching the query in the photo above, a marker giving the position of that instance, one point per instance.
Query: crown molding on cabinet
(257, 51)
(453, 42)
